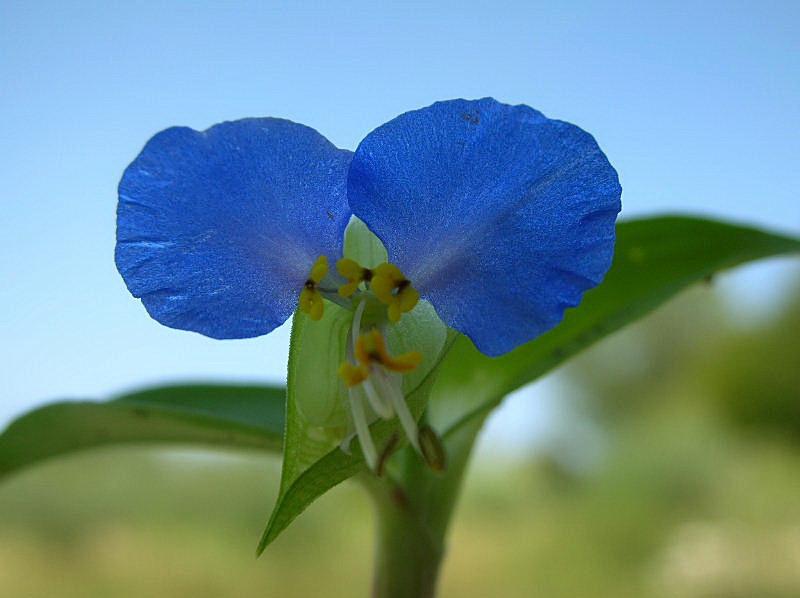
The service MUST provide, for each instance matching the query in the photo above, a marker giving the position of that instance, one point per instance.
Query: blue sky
(696, 104)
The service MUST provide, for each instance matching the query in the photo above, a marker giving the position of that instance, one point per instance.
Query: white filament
(385, 397)
(398, 401)
(381, 407)
(362, 429)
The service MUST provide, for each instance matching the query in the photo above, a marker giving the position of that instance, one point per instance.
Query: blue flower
(218, 231)
(499, 217)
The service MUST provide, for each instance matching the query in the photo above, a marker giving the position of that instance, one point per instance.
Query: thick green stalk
(414, 506)
(408, 553)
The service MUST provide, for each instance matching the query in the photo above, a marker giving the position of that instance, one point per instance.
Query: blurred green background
(675, 473)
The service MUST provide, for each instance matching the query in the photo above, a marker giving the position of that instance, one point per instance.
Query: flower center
(370, 372)
(387, 282)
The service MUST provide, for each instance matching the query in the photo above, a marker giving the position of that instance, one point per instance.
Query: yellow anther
(353, 375)
(311, 303)
(350, 269)
(371, 349)
(310, 297)
(355, 275)
(319, 270)
(392, 288)
(385, 280)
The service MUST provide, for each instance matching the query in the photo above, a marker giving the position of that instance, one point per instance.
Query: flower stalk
(414, 505)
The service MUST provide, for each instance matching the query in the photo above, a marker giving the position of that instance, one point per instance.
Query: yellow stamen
(310, 297)
(353, 375)
(355, 275)
(371, 348)
(392, 288)
(320, 269)
(311, 303)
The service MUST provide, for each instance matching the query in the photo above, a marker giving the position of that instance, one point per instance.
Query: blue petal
(217, 230)
(501, 217)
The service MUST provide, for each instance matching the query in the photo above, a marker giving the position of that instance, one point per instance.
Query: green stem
(408, 554)
(414, 507)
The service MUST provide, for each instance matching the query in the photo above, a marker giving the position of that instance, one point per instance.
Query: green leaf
(225, 416)
(655, 258)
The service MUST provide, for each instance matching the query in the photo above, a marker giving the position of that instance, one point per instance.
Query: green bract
(316, 404)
